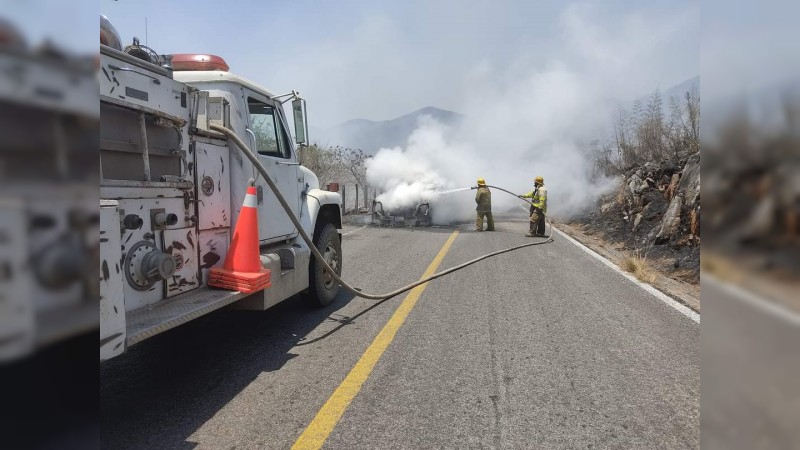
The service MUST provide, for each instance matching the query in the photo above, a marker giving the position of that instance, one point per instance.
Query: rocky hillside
(655, 214)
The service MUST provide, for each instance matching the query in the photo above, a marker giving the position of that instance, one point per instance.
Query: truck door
(269, 139)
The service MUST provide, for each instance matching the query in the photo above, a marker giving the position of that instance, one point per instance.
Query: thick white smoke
(528, 120)
(531, 128)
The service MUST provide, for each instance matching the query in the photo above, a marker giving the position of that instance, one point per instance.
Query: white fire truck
(171, 190)
(48, 199)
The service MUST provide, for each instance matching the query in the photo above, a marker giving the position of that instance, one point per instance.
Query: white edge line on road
(766, 306)
(681, 308)
(353, 231)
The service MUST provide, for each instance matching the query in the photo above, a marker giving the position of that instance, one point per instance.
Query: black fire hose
(253, 159)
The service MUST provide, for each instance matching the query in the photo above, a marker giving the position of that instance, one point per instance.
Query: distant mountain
(766, 104)
(681, 89)
(370, 136)
(678, 91)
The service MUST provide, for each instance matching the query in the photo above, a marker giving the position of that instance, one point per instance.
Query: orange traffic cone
(242, 270)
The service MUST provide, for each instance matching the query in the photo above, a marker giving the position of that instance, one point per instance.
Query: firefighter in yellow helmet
(484, 200)
(538, 207)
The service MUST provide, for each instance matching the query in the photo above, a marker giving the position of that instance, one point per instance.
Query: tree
(643, 134)
(652, 130)
(693, 116)
(322, 161)
(684, 125)
(626, 150)
(601, 152)
(353, 161)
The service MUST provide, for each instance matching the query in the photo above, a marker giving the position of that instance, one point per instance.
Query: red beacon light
(197, 61)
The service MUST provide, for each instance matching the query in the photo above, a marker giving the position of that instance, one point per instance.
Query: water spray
(454, 190)
(321, 259)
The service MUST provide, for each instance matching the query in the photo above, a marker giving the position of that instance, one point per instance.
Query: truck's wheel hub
(145, 265)
(332, 258)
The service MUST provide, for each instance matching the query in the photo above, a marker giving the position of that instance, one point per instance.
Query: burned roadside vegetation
(654, 214)
(653, 210)
(751, 186)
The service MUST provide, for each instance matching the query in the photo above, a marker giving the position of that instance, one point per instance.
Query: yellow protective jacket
(538, 197)
(484, 200)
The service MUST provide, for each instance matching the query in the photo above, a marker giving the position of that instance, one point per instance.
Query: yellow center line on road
(328, 416)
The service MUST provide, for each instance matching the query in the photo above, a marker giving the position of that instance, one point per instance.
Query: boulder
(761, 221)
(637, 185)
(673, 185)
(671, 224)
(637, 219)
(690, 181)
(655, 206)
(634, 182)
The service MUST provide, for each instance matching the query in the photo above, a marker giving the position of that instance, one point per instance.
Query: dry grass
(721, 266)
(638, 266)
(709, 264)
(687, 276)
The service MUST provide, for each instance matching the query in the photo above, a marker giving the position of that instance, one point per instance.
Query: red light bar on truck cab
(197, 61)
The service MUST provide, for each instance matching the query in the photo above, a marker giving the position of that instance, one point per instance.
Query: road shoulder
(685, 293)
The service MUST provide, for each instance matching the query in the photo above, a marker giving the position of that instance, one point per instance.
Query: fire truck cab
(171, 190)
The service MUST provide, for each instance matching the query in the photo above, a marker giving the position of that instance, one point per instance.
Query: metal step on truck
(171, 190)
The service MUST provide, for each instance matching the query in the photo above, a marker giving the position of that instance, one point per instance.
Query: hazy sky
(378, 60)
(72, 25)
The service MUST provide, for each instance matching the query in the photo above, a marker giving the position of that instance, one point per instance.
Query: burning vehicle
(414, 216)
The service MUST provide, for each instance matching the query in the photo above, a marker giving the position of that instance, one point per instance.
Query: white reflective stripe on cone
(250, 201)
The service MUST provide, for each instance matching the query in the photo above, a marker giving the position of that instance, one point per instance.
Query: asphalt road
(751, 362)
(544, 347)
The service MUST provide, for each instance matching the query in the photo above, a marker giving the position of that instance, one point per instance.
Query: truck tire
(322, 288)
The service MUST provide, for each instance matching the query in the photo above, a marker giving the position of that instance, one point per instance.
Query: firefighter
(484, 200)
(538, 207)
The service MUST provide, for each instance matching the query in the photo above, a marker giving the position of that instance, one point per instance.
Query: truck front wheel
(322, 287)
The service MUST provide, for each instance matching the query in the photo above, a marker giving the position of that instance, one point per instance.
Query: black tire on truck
(322, 287)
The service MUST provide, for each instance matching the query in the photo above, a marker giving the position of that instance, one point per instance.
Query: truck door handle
(253, 135)
(128, 69)
(288, 163)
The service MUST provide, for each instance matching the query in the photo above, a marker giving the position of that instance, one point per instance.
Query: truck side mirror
(300, 121)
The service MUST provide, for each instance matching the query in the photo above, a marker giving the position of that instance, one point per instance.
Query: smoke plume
(533, 118)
